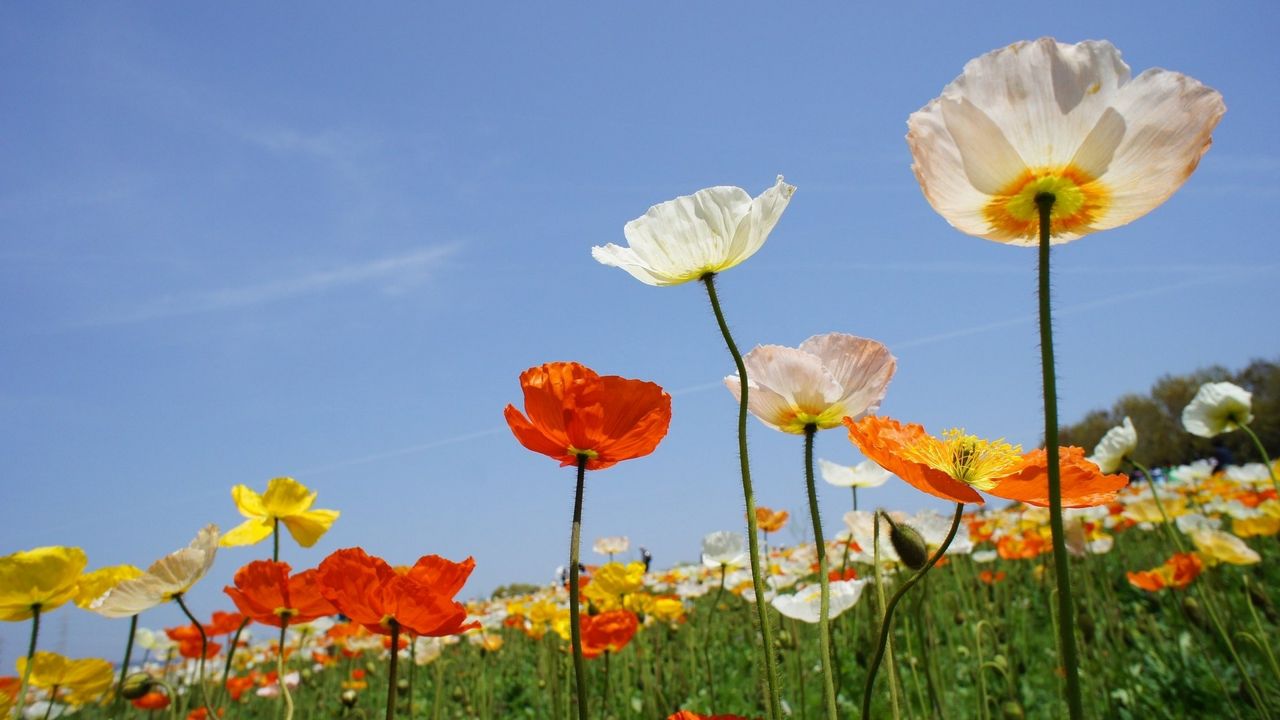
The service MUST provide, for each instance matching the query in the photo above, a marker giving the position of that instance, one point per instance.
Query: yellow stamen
(591, 454)
(1079, 200)
(966, 458)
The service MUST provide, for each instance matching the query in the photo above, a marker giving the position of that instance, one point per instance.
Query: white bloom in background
(933, 527)
(1115, 446)
(861, 525)
(805, 604)
(709, 231)
(1217, 408)
(827, 378)
(985, 556)
(612, 545)
(1193, 473)
(866, 474)
(273, 689)
(723, 547)
(1192, 522)
(1250, 474)
(1223, 547)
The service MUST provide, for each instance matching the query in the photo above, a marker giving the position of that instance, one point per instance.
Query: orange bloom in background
(1022, 547)
(266, 592)
(955, 467)
(1177, 572)
(836, 576)
(771, 520)
(992, 577)
(573, 411)
(608, 631)
(223, 623)
(236, 686)
(691, 715)
(371, 593)
(154, 700)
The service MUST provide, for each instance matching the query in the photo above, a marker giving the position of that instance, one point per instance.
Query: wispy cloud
(393, 273)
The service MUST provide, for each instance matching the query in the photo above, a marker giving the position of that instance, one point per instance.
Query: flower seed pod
(136, 685)
(908, 543)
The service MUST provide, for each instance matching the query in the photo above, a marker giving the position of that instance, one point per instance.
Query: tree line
(1157, 415)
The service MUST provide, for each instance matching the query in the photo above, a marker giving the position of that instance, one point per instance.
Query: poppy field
(1062, 582)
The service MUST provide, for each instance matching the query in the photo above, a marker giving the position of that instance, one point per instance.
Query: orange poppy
(188, 639)
(691, 715)
(1026, 546)
(1177, 572)
(955, 467)
(154, 700)
(770, 520)
(236, 686)
(608, 631)
(223, 623)
(266, 592)
(572, 411)
(991, 577)
(371, 593)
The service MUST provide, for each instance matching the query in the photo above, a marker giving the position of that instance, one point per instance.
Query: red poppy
(267, 593)
(572, 411)
(154, 700)
(608, 631)
(691, 715)
(223, 623)
(836, 576)
(371, 593)
(991, 577)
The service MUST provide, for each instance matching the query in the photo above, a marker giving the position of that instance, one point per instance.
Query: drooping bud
(136, 685)
(908, 543)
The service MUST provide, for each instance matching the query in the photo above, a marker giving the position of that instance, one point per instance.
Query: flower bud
(402, 684)
(349, 697)
(136, 685)
(1012, 710)
(908, 543)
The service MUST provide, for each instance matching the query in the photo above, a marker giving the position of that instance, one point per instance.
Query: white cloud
(392, 274)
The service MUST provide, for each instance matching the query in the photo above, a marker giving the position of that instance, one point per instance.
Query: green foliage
(1157, 415)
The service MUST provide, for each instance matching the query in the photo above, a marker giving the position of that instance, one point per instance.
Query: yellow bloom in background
(667, 609)
(45, 577)
(1047, 117)
(286, 500)
(1266, 522)
(638, 602)
(1224, 547)
(619, 579)
(85, 679)
(1147, 511)
(94, 585)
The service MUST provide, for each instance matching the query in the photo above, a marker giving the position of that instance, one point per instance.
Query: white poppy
(866, 474)
(806, 604)
(723, 548)
(826, 379)
(1217, 408)
(612, 545)
(707, 232)
(1115, 446)
(170, 576)
(1047, 117)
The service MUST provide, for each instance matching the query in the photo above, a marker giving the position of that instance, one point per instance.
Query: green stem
(706, 636)
(284, 686)
(21, 703)
(886, 624)
(1169, 527)
(391, 671)
(753, 546)
(231, 653)
(204, 651)
(275, 540)
(124, 667)
(824, 583)
(1066, 619)
(1266, 459)
(888, 644)
(575, 612)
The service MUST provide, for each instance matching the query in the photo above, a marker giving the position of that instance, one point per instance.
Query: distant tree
(515, 590)
(1162, 441)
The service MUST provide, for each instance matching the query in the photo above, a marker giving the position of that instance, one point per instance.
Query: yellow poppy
(85, 679)
(94, 585)
(43, 578)
(285, 500)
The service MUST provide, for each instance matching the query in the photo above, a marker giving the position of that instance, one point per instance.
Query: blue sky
(323, 241)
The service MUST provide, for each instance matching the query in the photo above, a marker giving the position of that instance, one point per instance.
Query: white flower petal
(862, 367)
(1217, 408)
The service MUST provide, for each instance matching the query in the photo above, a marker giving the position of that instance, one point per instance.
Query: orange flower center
(1079, 200)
